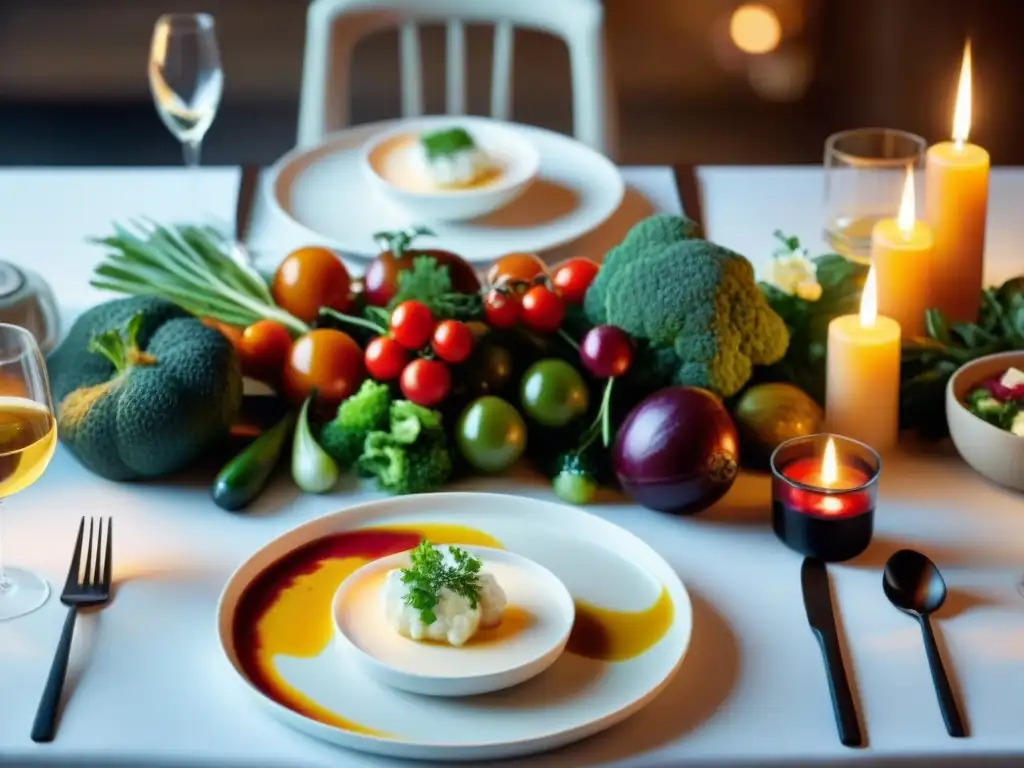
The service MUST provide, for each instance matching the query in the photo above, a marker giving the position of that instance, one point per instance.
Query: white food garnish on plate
(455, 618)
(451, 159)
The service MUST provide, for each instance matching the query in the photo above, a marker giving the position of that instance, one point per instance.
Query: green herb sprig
(429, 574)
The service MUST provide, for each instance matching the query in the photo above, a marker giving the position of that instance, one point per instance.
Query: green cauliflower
(646, 239)
(412, 455)
(367, 410)
(701, 301)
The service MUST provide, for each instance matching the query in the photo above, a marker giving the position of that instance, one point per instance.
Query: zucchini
(243, 478)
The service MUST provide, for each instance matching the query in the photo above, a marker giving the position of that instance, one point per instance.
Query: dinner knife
(818, 602)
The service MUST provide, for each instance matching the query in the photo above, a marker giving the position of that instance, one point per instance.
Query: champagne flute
(28, 437)
(185, 78)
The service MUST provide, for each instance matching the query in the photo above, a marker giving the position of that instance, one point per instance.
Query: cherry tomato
(326, 360)
(426, 382)
(501, 309)
(573, 277)
(385, 358)
(264, 346)
(412, 324)
(453, 341)
(515, 268)
(543, 309)
(311, 278)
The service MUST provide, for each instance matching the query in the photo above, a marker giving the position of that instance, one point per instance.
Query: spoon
(913, 584)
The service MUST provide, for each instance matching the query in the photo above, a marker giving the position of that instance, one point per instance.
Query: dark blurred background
(73, 86)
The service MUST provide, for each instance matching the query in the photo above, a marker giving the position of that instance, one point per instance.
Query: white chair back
(334, 27)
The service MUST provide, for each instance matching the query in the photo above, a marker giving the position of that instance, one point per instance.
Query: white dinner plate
(324, 193)
(633, 626)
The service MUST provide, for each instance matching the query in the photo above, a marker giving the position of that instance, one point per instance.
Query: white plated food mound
(519, 627)
(457, 614)
(452, 172)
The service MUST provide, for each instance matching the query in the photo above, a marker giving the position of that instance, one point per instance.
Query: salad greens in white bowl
(985, 410)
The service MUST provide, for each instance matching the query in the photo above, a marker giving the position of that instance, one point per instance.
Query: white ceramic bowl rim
(563, 596)
(527, 163)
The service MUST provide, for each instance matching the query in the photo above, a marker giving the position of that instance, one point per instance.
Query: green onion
(193, 267)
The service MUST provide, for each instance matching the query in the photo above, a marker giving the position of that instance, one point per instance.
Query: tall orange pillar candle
(956, 200)
(901, 252)
(862, 388)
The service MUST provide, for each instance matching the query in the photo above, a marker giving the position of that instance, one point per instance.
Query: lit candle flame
(905, 219)
(829, 465)
(962, 111)
(869, 301)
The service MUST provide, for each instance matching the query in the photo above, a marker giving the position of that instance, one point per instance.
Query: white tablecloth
(148, 685)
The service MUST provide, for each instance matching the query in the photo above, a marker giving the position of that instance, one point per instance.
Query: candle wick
(958, 145)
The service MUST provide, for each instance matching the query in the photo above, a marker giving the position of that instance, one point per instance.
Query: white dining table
(149, 686)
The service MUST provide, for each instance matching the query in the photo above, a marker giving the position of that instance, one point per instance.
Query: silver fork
(85, 587)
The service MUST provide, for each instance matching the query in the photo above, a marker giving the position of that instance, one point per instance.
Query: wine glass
(865, 170)
(185, 78)
(28, 437)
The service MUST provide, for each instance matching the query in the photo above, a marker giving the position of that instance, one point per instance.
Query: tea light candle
(824, 489)
(956, 199)
(901, 251)
(862, 387)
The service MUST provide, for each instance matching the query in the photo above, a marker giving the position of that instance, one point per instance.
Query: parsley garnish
(429, 574)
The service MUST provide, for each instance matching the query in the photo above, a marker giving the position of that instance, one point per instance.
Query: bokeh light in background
(761, 43)
(755, 29)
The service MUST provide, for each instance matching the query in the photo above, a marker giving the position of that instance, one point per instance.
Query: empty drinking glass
(185, 78)
(865, 170)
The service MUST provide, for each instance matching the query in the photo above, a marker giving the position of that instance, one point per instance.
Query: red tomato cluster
(523, 292)
(425, 381)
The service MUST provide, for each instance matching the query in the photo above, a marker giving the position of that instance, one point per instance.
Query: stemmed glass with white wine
(28, 437)
(185, 78)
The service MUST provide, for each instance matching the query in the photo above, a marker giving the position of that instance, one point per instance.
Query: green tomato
(491, 434)
(574, 487)
(553, 393)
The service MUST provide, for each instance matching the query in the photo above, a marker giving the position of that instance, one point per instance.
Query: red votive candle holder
(824, 489)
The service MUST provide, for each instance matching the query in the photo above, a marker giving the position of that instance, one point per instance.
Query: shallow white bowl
(989, 450)
(518, 158)
(539, 606)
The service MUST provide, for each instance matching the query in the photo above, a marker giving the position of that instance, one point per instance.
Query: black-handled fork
(88, 586)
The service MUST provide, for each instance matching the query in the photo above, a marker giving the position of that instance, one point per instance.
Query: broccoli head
(647, 239)
(362, 413)
(401, 468)
(700, 300)
(411, 454)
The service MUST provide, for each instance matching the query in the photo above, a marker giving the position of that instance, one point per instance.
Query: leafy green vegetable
(841, 282)
(691, 296)
(313, 470)
(193, 267)
(412, 456)
(430, 573)
(367, 410)
(430, 283)
(447, 142)
(929, 362)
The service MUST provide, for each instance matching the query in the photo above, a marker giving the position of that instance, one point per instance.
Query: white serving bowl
(540, 609)
(992, 452)
(518, 158)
